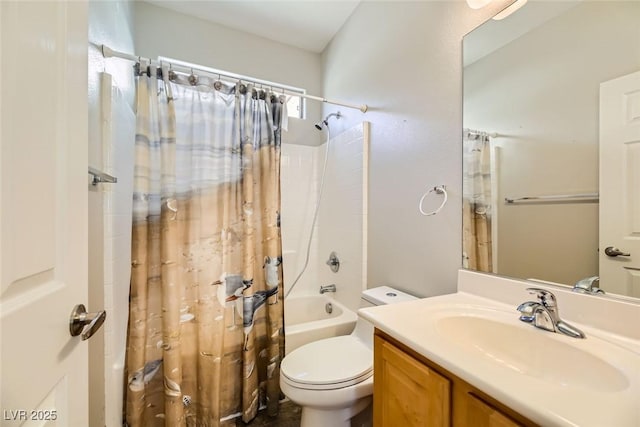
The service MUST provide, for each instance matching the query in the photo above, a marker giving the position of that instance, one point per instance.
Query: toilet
(332, 379)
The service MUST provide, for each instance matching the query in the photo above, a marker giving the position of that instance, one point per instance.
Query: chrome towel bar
(101, 177)
(564, 198)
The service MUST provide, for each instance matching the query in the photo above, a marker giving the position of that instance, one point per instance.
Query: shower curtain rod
(107, 52)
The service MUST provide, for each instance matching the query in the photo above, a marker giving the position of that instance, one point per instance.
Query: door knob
(614, 252)
(81, 322)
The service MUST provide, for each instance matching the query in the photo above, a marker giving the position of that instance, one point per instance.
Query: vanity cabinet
(411, 391)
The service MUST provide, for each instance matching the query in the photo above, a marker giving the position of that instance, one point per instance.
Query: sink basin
(549, 378)
(531, 351)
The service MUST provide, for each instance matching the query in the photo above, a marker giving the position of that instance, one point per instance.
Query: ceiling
(306, 24)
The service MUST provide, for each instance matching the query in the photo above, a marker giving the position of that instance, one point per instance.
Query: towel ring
(440, 189)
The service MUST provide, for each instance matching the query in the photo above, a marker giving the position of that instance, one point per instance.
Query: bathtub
(307, 319)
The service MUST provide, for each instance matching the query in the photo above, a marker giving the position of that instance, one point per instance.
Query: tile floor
(288, 416)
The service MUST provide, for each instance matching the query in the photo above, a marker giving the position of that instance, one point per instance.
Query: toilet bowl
(332, 379)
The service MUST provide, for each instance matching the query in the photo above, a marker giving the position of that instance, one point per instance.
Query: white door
(620, 185)
(43, 212)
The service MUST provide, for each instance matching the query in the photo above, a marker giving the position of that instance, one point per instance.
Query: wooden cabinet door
(481, 414)
(406, 392)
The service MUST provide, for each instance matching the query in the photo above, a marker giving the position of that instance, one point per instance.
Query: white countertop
(545, 399)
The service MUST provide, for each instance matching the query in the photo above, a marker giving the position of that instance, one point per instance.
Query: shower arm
(325, 122)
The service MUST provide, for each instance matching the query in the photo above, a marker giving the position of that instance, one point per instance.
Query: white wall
(541, 92)
(163, 32)
(403, 59)
(111, 135)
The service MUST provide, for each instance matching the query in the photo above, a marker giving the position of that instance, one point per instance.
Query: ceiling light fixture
(478, 4)
(509, 9)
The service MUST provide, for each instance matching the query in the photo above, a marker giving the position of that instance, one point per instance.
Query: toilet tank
(380, 295)
(383, 295)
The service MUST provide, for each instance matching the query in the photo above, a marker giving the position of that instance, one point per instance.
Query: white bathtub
(306, 319)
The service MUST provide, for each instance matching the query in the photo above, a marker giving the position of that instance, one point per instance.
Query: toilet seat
(328, 364)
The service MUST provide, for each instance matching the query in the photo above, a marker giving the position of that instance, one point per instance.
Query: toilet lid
(334, 361)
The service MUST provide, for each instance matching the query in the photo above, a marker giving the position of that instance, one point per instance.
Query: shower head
(325, 122)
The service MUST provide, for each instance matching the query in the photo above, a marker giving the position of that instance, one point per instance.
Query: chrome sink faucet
(590, 285)
(327, 288)
(544, 314)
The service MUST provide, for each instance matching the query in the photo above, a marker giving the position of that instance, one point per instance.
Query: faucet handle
(545, 297)
(527, 309)
(590, 285)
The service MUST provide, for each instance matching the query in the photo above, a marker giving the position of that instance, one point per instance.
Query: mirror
(531, 116)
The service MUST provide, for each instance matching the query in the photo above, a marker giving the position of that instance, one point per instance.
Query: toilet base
(323, 417)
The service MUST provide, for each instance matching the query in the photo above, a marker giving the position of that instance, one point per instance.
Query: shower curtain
(476, 202)
(205, 335)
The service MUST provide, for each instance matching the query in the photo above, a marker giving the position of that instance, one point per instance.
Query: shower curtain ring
(193, 79)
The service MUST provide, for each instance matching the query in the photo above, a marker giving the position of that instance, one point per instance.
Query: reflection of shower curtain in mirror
(476, 202)
(205, 321)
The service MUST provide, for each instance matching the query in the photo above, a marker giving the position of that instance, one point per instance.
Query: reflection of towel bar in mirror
(101, 177)
(564, 198)
(475, 133)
